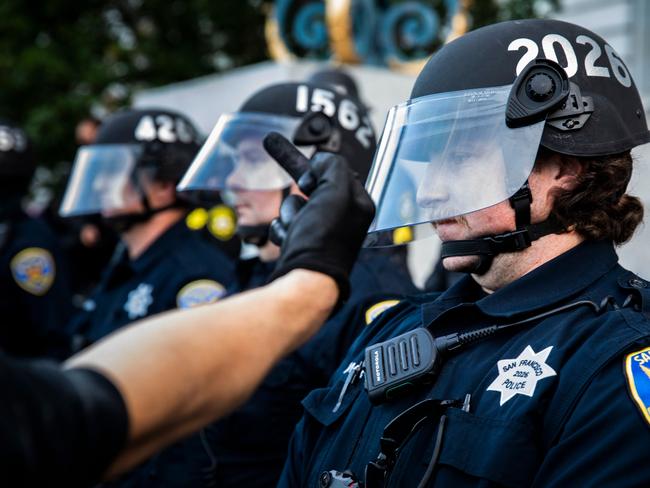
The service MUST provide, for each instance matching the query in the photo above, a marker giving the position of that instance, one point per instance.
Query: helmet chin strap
(123, 223)
(487, 247)
(258, 235)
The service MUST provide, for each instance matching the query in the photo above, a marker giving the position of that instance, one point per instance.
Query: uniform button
(637, 283)
(324, 479)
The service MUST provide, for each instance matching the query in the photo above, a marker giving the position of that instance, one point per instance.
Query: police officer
(532, 370)
(35, 299)
(105, 411)
(250, 445)
(129, 177)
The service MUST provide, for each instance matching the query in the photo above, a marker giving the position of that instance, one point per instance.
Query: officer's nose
(236, 180)
(433, 188)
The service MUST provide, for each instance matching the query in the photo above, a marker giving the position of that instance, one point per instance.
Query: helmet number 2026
(347, 112)
(551, 42)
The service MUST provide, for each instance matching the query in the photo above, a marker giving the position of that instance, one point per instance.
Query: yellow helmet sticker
(378, 308)
(33, 270)
(402, 235)
(199, 292)
(197, 219)
(222, 222)
(637, 374)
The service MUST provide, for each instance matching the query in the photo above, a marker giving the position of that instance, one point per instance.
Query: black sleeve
(57, 427)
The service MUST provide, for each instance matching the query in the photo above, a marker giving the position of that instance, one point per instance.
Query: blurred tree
(486, 12)
(58, 58)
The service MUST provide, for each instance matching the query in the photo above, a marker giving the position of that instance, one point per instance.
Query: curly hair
(598, 207)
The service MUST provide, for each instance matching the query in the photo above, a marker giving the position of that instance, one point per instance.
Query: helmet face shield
(234, 158)
(445, 155)
(102, 180)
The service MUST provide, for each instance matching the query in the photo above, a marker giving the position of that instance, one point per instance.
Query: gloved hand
(325, 233)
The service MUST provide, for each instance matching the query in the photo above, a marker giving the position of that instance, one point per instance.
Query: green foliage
(58, 58)
(485, 12)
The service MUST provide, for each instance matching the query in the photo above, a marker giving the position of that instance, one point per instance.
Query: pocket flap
(320, 403)
(495, 449)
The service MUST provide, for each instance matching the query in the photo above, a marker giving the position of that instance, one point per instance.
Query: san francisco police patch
(378, 308)
(637, 373)
(199, 292)
(33, 270)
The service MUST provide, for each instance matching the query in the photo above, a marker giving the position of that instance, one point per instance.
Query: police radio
(394, 368)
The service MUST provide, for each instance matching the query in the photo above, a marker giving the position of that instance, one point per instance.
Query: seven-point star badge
(520, 375)
(137, 304)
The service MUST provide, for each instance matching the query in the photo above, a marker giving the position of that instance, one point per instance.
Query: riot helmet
(480, 110)
(314, 116)
(338, 78)
(132, 145)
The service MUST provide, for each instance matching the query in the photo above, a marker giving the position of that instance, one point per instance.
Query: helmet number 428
(164, 128)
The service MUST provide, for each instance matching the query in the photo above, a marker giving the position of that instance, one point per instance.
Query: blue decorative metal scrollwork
(369, 31)
(302, 27)
(409, 30)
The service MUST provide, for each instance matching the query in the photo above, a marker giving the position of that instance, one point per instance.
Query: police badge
(33, 270)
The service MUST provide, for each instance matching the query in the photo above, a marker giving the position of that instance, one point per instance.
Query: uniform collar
(564, 276)
(162, 247)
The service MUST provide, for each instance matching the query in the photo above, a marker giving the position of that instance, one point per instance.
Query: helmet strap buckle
(521, 202)
(574, 112)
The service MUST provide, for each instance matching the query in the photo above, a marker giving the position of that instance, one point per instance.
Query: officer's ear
(561, 171)
(570, 170)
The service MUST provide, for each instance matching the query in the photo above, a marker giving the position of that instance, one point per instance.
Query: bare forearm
(181, 370)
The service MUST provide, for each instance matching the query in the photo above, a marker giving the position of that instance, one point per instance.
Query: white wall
(625, 25)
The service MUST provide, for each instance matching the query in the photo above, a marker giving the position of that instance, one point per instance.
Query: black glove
(325, 233)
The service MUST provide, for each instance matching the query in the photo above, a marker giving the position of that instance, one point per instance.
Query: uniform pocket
(500, 450)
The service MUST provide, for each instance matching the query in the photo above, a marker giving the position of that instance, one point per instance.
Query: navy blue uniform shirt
(179, 270)
(35, 298)
(248, 448)
(250, 445)
(561, 401)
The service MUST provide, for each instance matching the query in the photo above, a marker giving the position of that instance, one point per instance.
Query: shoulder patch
(637, 374)
(33, 270)
(199, 292)
(378, 308)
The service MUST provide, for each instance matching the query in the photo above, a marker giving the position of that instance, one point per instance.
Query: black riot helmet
(17, 160)
(131, 145)
(481, 108)
(341, 80)
(313, 116)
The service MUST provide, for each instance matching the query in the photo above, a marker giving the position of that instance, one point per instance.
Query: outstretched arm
(183, 369)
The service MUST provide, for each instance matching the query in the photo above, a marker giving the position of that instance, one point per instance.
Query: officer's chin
(461, 264)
